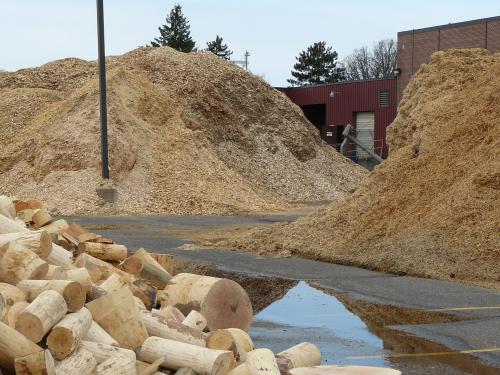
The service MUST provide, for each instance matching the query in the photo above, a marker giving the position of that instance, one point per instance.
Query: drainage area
(352, 332)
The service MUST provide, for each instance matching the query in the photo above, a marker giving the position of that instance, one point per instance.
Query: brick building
(416, 46)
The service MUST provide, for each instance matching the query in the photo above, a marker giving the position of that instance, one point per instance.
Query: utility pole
(102, 90)
(247, 55)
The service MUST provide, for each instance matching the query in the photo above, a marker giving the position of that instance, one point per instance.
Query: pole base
(109, 195)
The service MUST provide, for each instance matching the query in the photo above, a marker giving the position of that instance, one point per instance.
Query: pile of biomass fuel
(189, 133)
(432, 208)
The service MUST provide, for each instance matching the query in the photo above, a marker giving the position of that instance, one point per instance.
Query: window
(383, 98)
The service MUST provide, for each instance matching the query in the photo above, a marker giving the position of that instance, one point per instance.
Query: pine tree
(176, 32)
(219, 49)
(316, 65)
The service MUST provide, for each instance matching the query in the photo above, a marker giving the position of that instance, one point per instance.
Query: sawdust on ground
(189, 134)
(432, 209)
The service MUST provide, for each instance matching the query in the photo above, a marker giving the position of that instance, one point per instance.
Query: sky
(34, 32)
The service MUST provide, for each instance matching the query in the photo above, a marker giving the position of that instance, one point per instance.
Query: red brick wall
(415, 47)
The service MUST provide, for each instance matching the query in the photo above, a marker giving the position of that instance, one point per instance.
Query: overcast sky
(34, 32)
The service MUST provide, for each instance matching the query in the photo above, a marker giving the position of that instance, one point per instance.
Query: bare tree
(380, 62)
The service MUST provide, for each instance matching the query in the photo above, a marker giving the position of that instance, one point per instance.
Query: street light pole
(102, 90)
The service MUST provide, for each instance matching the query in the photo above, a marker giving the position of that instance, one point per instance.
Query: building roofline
(336, 83)
(450, 25)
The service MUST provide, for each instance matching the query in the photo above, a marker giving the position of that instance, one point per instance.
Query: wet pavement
(371, 322)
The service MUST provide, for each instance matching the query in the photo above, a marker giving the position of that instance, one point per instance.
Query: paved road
(480, 337)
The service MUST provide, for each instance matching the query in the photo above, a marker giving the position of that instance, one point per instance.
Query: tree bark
(223, 302)
(82, 362)
(177, 355)
(103, 251)
(13, 345)
(72, 292)
(67, 334)
(101, 351)
(37, 241)
(38, 363)
(262, 362)
(117, 313)
(36, 320)
(117, 364)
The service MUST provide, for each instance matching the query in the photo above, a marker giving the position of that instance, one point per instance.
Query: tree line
(315, 65)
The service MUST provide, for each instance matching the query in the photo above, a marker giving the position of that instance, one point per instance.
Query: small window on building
(383, 98)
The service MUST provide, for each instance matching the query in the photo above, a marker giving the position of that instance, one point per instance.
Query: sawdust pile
(189, 133)
(432, 208)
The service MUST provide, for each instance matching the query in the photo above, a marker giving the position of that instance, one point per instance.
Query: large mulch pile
(189, 134)
(432, 208)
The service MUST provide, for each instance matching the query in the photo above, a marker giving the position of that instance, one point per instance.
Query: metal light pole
(102, 90)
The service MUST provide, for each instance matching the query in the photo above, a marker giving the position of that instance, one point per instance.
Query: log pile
(73, 302)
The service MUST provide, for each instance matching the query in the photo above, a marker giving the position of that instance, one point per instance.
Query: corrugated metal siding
(349, 98)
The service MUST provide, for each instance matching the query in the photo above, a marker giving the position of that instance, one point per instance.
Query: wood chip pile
(189, 134)
(432, 208)
(111, 312)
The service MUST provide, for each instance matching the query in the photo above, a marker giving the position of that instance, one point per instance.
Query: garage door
(365, 128)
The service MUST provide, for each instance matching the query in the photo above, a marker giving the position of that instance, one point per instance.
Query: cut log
(57, 256)
(262, 362)
(242, 338)
(3, 309)
(84, 237)
(170, 329)
(144, 368)
(63, 242)
(117, 365)
(56, 227)
(53, 271)
(117, 313)
(177, 355)
(80, 275)
(73, 231)
(102, 352)
(241, 369)
(138, 302)
(11, 294)
(195, 320)
(167, 261)
(98, 335)
(26, 216)
(36, 241)
(34, 203)
(344, 370)
(20, 205)
(81, 362)
(39, 363)
(14, 345)
(36, 320)
(18, 263)
(7, 207)
(148, 268)
(103, 251)
(67, 334)
(14, 311)
(145, 292)
(185, 371)
(223, 302)
(169, 312)
(41, 217)
(98, 269)
(112, 283)
(222, 339)
(72, 292)
(304, 354)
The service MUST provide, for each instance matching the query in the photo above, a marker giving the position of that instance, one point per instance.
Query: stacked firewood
(73, 302)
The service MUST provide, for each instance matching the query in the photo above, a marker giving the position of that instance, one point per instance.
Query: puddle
(308, 314)
(352, 332)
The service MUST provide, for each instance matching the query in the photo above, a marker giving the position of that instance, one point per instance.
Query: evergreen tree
(219, 49)
(316, 65)
(176, 32)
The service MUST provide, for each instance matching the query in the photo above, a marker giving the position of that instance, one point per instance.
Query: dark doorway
(316, 114)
